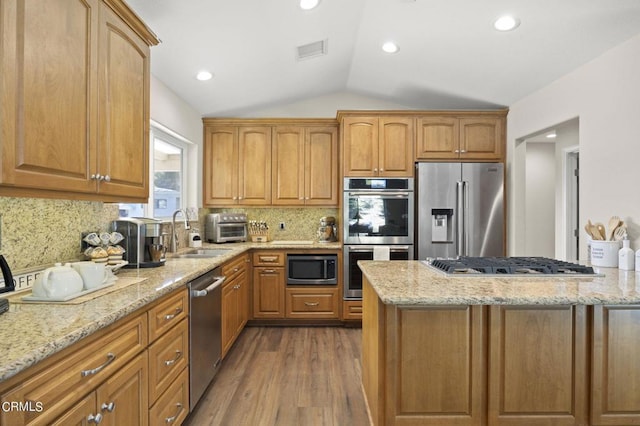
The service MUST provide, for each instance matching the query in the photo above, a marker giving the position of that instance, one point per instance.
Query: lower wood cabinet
(268, 292)
(538, 365)
(235, 300)
(173, 406)
(352, 310)
(317, 303)
(615, 369)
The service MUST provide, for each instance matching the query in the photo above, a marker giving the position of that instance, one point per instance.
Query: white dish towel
(381, 252)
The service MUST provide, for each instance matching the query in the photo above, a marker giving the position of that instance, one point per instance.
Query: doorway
(549, 159)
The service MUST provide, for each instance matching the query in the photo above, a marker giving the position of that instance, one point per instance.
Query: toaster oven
(225, 227)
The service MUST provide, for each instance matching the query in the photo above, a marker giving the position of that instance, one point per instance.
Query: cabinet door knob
(94, 419)
(108, 407)
(106, 178)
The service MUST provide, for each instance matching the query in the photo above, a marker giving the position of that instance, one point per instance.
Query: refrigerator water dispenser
(441, 225)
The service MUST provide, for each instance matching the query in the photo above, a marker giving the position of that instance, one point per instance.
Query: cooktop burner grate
(510, 266)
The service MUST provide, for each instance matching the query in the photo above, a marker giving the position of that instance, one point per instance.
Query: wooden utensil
(601, 230)
(614, 222)
(619, 233)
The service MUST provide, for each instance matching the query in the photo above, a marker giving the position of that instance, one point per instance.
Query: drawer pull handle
(173, 361)
(110, 358)
(236, 269)
(173, 419)
(269, 271)
(268, 258)
(172, 316)
(108, 407)
(312, 303)
(94, 419)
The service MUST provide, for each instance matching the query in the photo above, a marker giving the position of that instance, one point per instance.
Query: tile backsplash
(299, 223)
(38, 232)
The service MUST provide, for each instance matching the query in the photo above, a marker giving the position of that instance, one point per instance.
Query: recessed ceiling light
(309, 4)
(390, 47)
(506, 23)
(551, 135)
(204, 75)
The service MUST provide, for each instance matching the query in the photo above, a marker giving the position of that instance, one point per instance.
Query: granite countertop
(413, 283)
(31, 332)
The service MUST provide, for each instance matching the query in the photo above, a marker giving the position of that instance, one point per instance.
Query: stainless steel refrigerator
(459, 210)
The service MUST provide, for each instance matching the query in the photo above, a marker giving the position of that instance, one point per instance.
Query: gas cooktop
(510, 266)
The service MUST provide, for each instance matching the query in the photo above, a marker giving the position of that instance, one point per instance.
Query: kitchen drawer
(168, 356)
(311, 303)
(167, 313)
(235, 266)
(268, 258)
(173, 406)
(352, 310)
(76, 372)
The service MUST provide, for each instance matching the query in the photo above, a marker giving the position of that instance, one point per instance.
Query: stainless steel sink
(200, 253)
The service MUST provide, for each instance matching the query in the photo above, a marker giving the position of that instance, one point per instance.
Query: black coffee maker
(142, 242)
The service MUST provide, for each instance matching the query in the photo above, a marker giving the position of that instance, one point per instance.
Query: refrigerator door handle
(465, 217)
(460, 222)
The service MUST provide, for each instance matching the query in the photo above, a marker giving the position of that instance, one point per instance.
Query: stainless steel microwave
(312, 269)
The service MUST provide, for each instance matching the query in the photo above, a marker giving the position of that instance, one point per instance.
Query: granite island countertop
(31, 332)
(414, 283)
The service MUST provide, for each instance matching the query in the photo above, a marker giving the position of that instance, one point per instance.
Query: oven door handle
(202, 293)
(370, 248)
(382, 194)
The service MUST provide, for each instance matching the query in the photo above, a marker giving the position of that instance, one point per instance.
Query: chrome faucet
(174, 235)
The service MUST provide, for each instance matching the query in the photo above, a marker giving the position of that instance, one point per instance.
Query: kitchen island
(443, 350)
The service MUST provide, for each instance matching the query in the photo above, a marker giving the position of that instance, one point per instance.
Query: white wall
(172, 112)
(605, 95)
(540, 199)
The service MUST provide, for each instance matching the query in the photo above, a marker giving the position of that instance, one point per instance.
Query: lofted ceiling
(450, 55)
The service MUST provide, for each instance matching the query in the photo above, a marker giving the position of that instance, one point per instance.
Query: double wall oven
(377, 212)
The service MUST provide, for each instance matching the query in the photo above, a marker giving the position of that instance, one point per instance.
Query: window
(167, 167)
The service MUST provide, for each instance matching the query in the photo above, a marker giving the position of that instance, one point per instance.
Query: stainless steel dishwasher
(205, 332)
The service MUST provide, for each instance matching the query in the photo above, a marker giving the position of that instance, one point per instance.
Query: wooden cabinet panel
(168, 356)
(254, 175)
(352, 310)
(127, 391)
(539, 360)
(173, 406)
(49, 96)
(312, 303)
(123, 138)
(269, 258)
(168, 312)
(321, 166)
(437, 137)
(396, 146)
(268, 292)
(481, 138)
(288, 156)
(615, 394)
(235, 300)
(58, 386)
(378, 146)
(360, 146)
(77, 416)
(220, 165)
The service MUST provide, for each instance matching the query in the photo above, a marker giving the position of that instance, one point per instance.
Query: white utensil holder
(605, 253)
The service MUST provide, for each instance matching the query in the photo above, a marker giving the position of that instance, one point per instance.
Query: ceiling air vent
(311, 50)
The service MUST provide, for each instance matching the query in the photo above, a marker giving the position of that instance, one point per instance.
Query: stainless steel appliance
(352, 273)
(378, 210)
(205, 332)
(142, 242)
(312, 269)
(225, 227)
(459, 210)
(501, 266)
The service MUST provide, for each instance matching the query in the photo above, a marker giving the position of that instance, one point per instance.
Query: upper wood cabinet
(237, 166)
(270, 162)
(305, 166)
(445, 137)
(377, 146)
(75, 96)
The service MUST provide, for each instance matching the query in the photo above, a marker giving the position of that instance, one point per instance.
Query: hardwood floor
(287, 376)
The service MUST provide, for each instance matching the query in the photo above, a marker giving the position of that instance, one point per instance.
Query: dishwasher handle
(211, 287)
